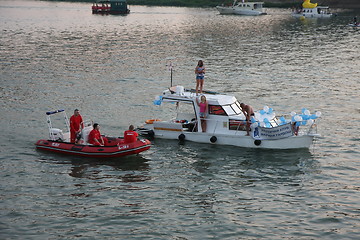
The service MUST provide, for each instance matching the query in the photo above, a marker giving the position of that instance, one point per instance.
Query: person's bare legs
(203, 125)
(201, 84)
(197, 86)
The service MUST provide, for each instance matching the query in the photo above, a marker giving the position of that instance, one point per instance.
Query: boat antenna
(170, 65)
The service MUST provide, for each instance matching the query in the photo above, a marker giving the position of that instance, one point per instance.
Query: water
(59, 55)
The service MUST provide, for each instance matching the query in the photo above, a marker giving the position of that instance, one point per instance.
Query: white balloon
(262, 124)
(266, 108)
(318, 114)
(293, 113)
(298, 118)
(307, 112)
(254, 125)
(310, 121)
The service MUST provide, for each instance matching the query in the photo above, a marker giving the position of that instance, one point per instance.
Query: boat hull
(299, 15)
(293, 142)
(237, 11)
(120, 148)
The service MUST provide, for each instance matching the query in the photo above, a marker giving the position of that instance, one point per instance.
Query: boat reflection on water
(245, 165)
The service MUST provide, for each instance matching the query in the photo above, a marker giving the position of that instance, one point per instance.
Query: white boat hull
(309, 15)
(317, 12)
(294, 142)
(237, 11)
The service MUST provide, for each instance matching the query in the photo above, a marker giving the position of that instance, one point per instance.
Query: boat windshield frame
(232, 109)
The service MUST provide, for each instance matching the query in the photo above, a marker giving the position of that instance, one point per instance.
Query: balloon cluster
(304, 118)
(158, 100)
(263, 117)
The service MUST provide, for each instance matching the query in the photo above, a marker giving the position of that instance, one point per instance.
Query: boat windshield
(233, 109)
(226, 110)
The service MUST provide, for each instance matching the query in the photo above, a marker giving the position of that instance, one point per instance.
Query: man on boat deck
(95, 137)
(248, 112)
(130, 135)
(76, 124)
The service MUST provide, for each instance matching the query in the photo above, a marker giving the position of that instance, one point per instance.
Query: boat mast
(171, 73)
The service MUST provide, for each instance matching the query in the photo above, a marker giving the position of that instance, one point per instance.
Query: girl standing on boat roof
(200, 74)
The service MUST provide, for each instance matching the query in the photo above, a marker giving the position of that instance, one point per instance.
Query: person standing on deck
(248, 112)
(76, 124)
(203, 105)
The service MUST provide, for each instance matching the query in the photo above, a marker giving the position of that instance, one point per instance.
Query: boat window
(217, 110)
(177, 109)
(230, 110)
(238, 125)
(236, 107)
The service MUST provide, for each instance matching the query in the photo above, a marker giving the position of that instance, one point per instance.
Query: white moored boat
(312, 10)
(242, 8)
(226, 125)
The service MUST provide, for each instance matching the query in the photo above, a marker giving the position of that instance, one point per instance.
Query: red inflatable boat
(60, 142)
(116, 148)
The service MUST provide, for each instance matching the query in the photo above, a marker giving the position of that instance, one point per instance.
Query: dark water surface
(59, 55)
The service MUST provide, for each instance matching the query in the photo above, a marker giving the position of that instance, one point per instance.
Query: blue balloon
(262, 112)
(303, 123)
(298, 124)
(305, 117)
(303, 110)
(313, 116)
(253, 120)
(267, 125)
(282, 119)
(266, 120)
(157, 102)
(270, 110)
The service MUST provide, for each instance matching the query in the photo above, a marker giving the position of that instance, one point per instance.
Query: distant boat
(110, 7)
(312, 10)
(242, 8)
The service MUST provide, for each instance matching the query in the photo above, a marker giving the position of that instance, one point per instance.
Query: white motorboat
(242, 8)
(312, 10)
(226, 124)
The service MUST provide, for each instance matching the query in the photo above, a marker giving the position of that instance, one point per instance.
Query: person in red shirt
(76, 124)
(95, 137)
(130, 135)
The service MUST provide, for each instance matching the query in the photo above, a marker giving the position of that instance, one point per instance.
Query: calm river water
(58, 55)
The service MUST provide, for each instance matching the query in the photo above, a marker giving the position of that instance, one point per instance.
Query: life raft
(151, 121)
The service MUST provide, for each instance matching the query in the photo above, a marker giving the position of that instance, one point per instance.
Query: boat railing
(54, 133)
(298, 129)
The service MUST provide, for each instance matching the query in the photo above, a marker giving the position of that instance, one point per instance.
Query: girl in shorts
(200, 74)
(203, 105)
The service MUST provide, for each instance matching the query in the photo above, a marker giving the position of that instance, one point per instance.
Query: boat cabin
(224, 112)
(250, 5)
(110, 7)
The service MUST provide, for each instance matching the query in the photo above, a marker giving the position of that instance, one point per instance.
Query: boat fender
(257, 142)
(213, 139)
(181, 137)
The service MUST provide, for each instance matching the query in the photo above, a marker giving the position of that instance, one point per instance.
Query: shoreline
(213, 3)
